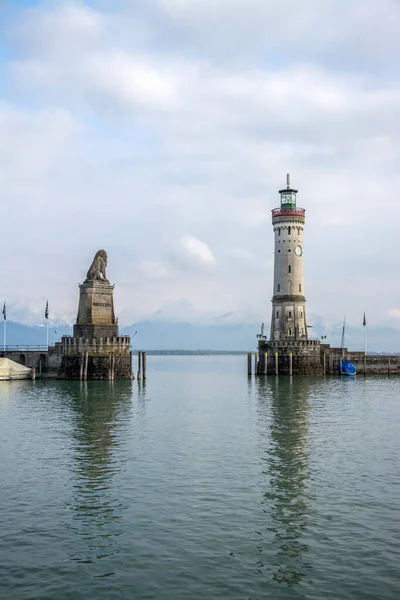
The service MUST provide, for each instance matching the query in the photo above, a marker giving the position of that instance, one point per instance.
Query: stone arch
(41, 363)
(22, 360)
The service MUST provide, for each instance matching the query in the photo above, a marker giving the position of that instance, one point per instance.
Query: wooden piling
(33, 374)
(139, 372)
(109, 366)
(389, 366)
(144, 364)
(81, 368)
(324, 363)
(86, 365)
(276, 364)
(249, 363)
(255, 363)
(265, 363)
(130, 364)
(290, 363)
(365, 364)
(112, 366)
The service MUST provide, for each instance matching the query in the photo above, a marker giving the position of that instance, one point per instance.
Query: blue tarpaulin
(347, 367)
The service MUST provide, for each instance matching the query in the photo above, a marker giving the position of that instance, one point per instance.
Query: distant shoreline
(193, 352)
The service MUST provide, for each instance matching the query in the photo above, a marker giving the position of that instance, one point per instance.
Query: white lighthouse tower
(288, 321)
(288, 351)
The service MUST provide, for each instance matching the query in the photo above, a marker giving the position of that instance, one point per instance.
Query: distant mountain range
(163, 335)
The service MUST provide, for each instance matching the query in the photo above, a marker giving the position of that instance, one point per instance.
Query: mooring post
(112, 366)
(265, 363)
(249, 363)
(255, 363)
(290, 363)
(130, 365)
(324, 363)
(86, 364)
(276, 364)
(365, 364)
(389, 366)
(81, 368)
(33, 374)
(139, 373)
(144, 364)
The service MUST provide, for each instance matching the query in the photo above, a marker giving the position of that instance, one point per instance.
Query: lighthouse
(288, 351)
(288, 320)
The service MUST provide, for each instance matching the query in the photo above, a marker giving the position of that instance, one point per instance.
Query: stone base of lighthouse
(294, 357)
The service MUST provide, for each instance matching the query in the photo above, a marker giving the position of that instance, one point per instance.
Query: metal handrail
(288, 211)
(26, 348)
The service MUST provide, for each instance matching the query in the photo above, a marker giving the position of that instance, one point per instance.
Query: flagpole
(4, 326)
(46, 316)
(365, 345)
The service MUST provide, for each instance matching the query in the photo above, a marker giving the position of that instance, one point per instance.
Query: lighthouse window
(279, 231)
(277, 314)
(279, 288)
(288, 230)
(290, 313)
(299, 287)
(301, 315)
(290, 269)
(290, 332)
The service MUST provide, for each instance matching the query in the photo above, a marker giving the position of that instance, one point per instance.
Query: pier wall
(374, 364)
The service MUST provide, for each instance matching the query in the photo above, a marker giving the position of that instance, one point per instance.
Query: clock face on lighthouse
(298, 251)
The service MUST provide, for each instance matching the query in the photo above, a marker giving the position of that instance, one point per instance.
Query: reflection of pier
(283, 410)
(100, 411)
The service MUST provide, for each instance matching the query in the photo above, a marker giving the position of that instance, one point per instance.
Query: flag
(364, 320)
(4, 312)
(46, 310)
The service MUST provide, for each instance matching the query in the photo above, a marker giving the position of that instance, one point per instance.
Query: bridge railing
(23, 349)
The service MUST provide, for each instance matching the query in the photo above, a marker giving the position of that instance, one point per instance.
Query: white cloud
(127, 126)
(195, 252)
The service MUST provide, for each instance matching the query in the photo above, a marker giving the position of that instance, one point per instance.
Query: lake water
(200, 484)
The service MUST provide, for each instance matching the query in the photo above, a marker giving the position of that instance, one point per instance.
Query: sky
(162, 130)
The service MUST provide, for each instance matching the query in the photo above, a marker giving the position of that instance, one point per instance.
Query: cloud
(195, 252)
(128, 125)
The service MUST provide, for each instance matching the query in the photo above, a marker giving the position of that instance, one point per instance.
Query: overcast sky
(161, 130)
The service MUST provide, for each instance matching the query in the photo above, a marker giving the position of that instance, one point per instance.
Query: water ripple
(200, 484)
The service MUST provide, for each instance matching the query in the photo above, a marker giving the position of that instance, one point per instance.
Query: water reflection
(101, 411)
(283, 416)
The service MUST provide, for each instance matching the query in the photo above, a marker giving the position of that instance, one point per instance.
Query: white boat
(9, 369)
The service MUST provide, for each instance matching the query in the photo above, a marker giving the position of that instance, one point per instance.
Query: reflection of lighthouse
(286, 502)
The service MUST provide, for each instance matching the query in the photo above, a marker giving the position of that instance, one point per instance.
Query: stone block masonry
(95, 351)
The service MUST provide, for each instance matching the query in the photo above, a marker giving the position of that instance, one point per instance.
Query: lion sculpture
(97, 271)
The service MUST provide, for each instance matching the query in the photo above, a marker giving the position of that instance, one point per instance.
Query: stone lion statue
(97, 271)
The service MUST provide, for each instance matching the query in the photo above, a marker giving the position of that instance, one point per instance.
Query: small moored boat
(345, 367)
(9, 369)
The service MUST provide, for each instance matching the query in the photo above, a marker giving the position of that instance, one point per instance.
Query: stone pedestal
(96, 351)
(96, 317)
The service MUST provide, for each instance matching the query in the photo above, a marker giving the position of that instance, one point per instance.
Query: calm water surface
(201, 484)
